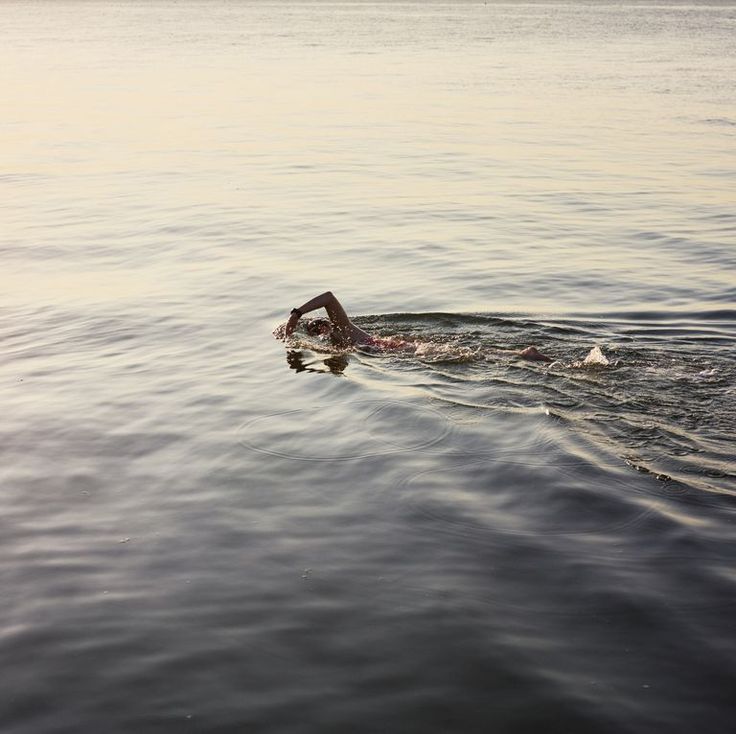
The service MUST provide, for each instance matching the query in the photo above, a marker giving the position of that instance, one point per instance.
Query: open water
(207, 530)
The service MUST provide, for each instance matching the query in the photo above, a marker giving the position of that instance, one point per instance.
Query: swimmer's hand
(291, 324)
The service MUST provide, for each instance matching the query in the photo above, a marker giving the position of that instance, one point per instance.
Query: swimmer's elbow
(330, 299)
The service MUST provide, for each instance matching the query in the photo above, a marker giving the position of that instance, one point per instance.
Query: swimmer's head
(318, 327)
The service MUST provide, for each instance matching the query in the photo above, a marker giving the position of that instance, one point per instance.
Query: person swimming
(343, 333)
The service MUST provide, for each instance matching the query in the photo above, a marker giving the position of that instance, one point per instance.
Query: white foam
(596, 358)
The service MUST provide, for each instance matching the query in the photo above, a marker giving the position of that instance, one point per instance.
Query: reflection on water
(448, 539)
(336, 364)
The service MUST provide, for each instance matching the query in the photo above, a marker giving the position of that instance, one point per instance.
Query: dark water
(205, 529)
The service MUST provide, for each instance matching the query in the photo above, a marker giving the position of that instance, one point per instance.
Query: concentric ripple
(321, 433)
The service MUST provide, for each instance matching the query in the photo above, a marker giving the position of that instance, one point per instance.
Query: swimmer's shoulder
(360, 337)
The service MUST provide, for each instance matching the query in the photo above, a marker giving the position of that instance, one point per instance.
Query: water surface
(207, 530)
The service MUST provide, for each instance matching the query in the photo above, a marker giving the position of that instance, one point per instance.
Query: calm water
(204, 530)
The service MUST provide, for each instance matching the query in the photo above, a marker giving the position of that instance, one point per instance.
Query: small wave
(706, 374)
(722, 121)
(436, 353)
(658, 316)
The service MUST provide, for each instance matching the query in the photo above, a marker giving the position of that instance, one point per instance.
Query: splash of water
(596, 358)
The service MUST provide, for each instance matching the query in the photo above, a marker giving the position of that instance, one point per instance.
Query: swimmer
(343, 333)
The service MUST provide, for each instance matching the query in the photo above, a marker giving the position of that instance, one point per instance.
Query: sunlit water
(205, 529)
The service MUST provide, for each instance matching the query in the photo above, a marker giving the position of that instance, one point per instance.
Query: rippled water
(205, 529)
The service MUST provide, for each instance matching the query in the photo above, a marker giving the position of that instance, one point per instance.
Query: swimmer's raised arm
(335, 311)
